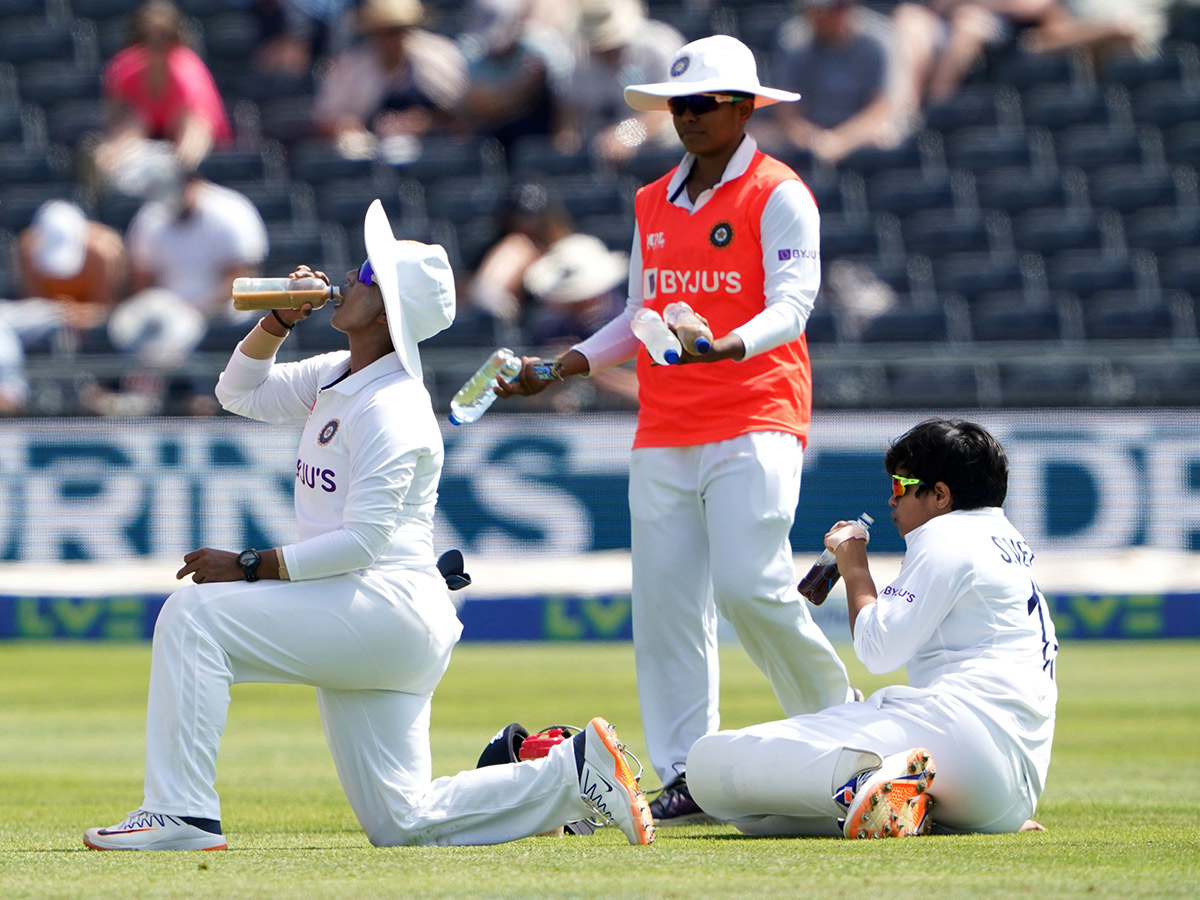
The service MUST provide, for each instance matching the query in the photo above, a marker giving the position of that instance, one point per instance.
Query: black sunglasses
(699, 104)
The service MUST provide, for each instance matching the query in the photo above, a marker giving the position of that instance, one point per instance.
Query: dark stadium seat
(320, 245)
(223, 166)
(1012, 316)
(1128, 316)
(278, 202)
(822, 327)
(13, 129)
(1017, 190)
(16, 9)
(447, 157)
(972, 106)
(1087, 272)
(616, 230)
(937, 232)
(48, 82)
(1130, 188)
(1047, 230)
(848, 236)
(975, 274)
(536, 155)
(36, 40)
(652, 163)
(1180, 270)
(1046, 382)
(869, 161)
(1166, 104)
(1063, 106)
(475, 238)
(1162, 229)
(286, 119)
(903, 191)
(989, 147)
(117, 210)
(853, 383)
(923, 384)
(22, 165)
(18, 202)
(1166, 382)
(908, 326)
(1182, 144)
(345, 202)
(69, 121)
(318, 161)
(459, 199)
(1132, 70)
(590, 195)
(1092, 146)
(1031, 70)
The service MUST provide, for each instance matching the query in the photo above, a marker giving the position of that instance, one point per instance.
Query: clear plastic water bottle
(660, 341)
(281, 293)
(824, 573)
(695, 336)
(474, 397)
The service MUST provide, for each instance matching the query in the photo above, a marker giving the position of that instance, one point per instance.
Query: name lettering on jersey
(1015, 552)
(689, 281)
(791, 253)
(656, 240)
(906, 596)
(311, 476)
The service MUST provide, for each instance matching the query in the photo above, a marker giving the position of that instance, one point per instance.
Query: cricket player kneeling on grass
(967, 619)
(358, 607)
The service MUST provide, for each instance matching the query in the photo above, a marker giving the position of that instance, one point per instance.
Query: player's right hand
(526, 384)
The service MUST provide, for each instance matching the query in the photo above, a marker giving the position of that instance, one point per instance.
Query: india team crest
(680, 65)
(721, 235)
(327, 432)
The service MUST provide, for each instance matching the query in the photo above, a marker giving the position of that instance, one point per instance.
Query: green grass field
(1122, 806)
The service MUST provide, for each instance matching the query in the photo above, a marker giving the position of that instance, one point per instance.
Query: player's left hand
(206, 564)
(728, 346)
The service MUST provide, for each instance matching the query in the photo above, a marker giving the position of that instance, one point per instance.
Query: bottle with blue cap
(824, 573)
(693, 333)
(661, 343)
(476, 396)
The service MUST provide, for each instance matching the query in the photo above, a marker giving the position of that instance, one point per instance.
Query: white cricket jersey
(368, 463)
(966, 618)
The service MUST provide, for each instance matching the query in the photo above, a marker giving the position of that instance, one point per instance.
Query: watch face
(248, 558)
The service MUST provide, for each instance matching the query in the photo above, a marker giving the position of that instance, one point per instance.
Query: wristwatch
(249, 560)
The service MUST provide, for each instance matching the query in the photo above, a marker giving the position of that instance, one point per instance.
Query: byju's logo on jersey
(791, 253)
(721, 235)
(688, 281)
(328, 430)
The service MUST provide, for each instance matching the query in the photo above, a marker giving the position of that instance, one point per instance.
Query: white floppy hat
(713, 65)
(576, 268)
(417, 286)
(59, 244)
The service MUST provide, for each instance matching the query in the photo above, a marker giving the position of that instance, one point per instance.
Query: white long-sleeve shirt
(790, 221)
(368, 464)
(966, 618)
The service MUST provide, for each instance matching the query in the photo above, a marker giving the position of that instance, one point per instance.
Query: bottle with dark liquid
(824, 574)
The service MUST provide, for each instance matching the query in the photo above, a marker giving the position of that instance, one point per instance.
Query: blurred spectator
(164, 107)
(532, 220)
(382, 96)
(14, 387)
(835, 55)
(578, 286)
(511, 63)
(1103, 27)
(185, 246)
(617, 46)
(293, 34)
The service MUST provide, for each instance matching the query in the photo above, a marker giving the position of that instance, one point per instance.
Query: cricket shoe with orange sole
(893, 800)
(142, 830)
(607, 784)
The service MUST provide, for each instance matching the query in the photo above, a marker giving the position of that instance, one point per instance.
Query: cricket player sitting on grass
(357, 607)
(967, 619)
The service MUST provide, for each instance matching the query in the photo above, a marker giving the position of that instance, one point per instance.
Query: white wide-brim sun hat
(576, 268)
(417, 286)
(713, 65)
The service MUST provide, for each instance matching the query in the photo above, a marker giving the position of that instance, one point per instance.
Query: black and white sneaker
(674, 806)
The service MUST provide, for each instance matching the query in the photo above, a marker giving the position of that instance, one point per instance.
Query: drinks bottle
(474, 397)
(824, 573)
(660, 341)
(281, 293)
(695, 336)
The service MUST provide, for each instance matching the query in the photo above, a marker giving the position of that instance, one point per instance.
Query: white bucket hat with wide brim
(576, 268)
(713, 65)
(417, 286)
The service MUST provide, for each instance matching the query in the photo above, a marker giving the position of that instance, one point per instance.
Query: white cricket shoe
(892, 800)
(607, 785)
(142, 830)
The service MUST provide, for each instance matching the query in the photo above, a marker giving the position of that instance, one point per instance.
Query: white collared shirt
(369, 459)
(789, 219)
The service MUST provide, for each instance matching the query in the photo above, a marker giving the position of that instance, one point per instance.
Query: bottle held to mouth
(282, 293)
(824, 573)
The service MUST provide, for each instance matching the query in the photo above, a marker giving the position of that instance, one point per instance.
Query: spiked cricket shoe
(892, 800)
(142, 830)
(607, 785)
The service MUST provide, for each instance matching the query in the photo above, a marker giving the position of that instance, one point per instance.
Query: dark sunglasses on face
(366, 275)
(699, 104)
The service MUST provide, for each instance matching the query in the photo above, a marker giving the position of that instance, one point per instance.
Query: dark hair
(962, 454)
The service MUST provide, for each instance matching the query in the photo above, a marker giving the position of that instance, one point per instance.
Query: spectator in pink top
(165, 108)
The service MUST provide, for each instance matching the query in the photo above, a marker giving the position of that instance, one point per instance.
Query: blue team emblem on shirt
(328, 430)
(721, 235)
(680, 66)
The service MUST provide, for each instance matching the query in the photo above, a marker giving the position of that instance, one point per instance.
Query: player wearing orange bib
(715, 469)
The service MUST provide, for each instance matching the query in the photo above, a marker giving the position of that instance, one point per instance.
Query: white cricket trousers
(780, 777)
(375, 649)
(709, 527)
